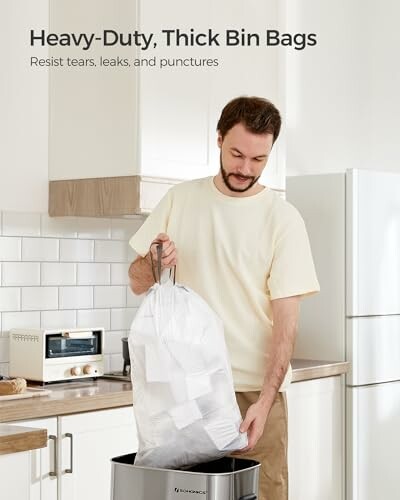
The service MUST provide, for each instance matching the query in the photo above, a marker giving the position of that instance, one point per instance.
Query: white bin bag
(184, 401)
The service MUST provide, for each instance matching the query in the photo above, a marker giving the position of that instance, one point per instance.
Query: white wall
(342, 98)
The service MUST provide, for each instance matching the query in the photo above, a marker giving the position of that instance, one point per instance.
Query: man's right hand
(169, 251)
(141, 276)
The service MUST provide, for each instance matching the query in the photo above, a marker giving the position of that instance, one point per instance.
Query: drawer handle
(70, 470)
(53, 473)
(249, 497)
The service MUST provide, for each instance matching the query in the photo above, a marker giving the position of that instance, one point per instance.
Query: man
(246, 252)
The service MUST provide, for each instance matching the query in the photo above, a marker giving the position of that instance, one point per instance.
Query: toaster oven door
(60, 346)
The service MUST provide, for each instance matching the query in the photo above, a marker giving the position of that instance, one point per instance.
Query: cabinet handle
(53, 473)
(70, 470)
(249, 497)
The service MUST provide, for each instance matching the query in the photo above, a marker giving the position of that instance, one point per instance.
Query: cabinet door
(92, 102)
(14, 476)
(88, 442)
(316, 439)
(42, 463)
(182, 96)
(373, 441)
(372, 243)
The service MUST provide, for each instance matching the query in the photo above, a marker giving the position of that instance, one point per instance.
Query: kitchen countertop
(70, 397)
(99, 394)
(308, 369)
(14, 438)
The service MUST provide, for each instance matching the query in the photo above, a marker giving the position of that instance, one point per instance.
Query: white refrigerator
(353, 221)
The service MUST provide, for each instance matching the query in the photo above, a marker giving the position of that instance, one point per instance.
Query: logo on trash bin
(196, 492)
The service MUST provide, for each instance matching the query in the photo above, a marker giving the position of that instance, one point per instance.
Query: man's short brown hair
(257, 114)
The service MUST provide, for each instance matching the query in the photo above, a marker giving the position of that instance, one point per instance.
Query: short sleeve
(156, 222)
(292, 270)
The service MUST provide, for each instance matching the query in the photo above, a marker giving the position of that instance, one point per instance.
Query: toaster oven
(55, 355)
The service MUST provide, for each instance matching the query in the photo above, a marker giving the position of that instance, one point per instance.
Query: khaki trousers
(271, 449)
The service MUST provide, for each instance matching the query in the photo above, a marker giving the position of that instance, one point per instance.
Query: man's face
(243, 157)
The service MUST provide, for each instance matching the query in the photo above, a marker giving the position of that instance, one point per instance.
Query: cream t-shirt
(238, 254)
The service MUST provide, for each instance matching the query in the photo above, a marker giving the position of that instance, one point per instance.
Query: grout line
(66, 262)
(64, 238)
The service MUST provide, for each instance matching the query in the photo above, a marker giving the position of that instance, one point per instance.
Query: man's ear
(219, 140)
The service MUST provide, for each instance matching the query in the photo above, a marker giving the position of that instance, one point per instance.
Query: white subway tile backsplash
(39, 249)
(21, 224)
(10, 248)
(76, 297)
(93, 228)
(10, 299)
(109, 296)
(76, 250)
(93, 317)
(66, 273)
(106, 364)
(20, 320)
(39, 298)
(93, 274)
(59, 227)
(21, 273)
(112, 251)
(57, 319)
(116, 362)
(121, 319)
(4, 369)
(4, 350)
(119, 274)
(112, 342)
(123, 229)
(58, 273)
(133, 300)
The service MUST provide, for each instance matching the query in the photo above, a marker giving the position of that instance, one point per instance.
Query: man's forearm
(280, 353)
(141, 275)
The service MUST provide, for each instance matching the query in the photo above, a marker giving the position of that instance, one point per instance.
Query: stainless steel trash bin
(223, 479)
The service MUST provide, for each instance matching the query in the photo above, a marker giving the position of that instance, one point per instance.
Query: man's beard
(225, 178)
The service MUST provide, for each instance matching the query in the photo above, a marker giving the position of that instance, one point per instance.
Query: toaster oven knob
(76, 370)
(88, 370)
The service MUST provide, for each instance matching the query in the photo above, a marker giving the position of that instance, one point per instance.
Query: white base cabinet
(316, 439)
(15, 476)
(41, 464)
(76, 465)
(88, 442)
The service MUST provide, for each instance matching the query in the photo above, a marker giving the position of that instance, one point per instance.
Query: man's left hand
(253, 424)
